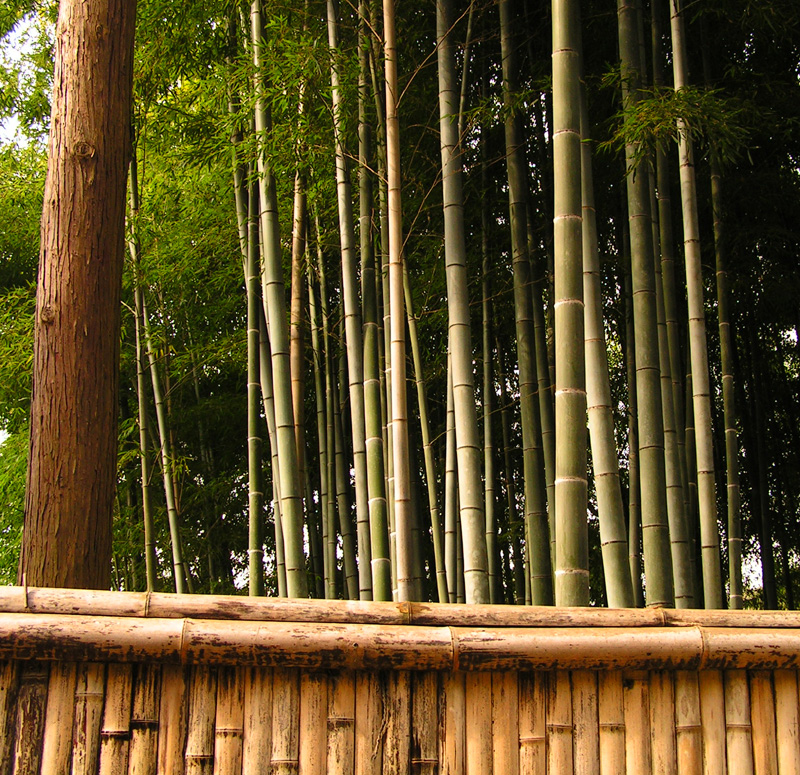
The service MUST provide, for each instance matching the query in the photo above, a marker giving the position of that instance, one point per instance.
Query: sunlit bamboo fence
(112, 683)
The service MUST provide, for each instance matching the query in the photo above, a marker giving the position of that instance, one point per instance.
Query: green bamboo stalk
(451, 526)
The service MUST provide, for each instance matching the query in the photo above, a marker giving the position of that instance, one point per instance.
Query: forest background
(186, 415)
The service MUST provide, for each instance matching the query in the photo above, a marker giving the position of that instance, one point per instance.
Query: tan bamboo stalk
(505, 723)
(560, 730)
(452, 740)
(30, 719)
(424, 723)
(638, 755)
(698, 346)
(691, 483)
(532, 723)
(229, 723)
(199, 754)
(145, 720)
(762, 716)
(172, 719)
(688, 732)
(313, 723)
(59, 718)
(341, 722)
(662, 723)
(115, 732)
(585, 722)
(739, 736)
(611, 720)
(285, 755)
(450, 495)
(368, 751)
(9, 677)
(478, 724)
(787, 721)
(712, 720)
(257, 737)
(342, 479)
(396, 748)
(89, 695)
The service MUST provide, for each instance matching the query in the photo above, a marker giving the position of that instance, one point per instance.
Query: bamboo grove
(483, 302)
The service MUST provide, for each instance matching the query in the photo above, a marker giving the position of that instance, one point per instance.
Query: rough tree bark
(72, 473)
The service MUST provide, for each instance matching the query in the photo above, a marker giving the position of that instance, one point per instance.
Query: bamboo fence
(118, 683)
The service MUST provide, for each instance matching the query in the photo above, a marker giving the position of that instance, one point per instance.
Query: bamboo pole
(30, 719)
(689, 741)
(257, 732)
(532, 723)
(229, 723)
(787, 721)
(738, 729)
(285, 755)
(453, 728)
(712, 721)
(762, 715)
(586, 723)
(199, 755)
(611, 718)
(559, 724)
(478, 724)
(425, 724)
(9, 684)
(59, 718)
(635, 699)
(368, 724)
(505, 723)
(144, 720)
(313, 723)
(172, 720)
(88, 717)
(662, 723)
(341, 722)
(116, 729)
(396, 753)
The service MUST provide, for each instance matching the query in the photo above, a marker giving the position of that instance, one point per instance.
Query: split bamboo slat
(115, 733)
(712, 722)
(341, 721)
(9, 678)
(662, 723)
(229, 725)
(635, 700)
(424, 723)
(762, 714)
(478, 724)
(144, 721)
(505, 723)
(199, 755)
(172, 720)
(787, 721)
(88, 718)
(737, 723)
(30, 719)
(453, 712)
(611, 718)
(368, 724)
(257, 749)
(59, 717)
(688, 730)
(285, 721)
(314, 723)
(532, 723)
(396, 749)
(559, 724)
(586, 723)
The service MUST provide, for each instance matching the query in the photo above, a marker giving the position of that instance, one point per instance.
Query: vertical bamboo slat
(787, 721)
(59, 718)
(29, 726)
(635, 701)
(662, 723)
(341, 722)
(285, 721)
(88, 718)
(611, 717)
(559, 724)
(257, 721)
(532, 723)
(585, 721)
(712, 721)
(369, 722)
(229, 725)
(424, 724)
(144, 720)
(9, 684)
(762, 716)
(116, 729)
(199, 756)
(478, 724)
(396, 747)
(505, 723)
(313, 723)
(739, 736)
(172, 720)
(453, 710)
(687, 723)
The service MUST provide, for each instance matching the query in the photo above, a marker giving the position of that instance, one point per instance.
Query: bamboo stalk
(453, 730)
(116, 731)
(285, 721)
(478, 726)
(762, 716)
(532, 720)
(635, 699)
(88, 717)
(341, 722)
(424, 724)
(144, 720)
(257, 721)
(30, 720)
(313, 723)
(586, 723)
(229, 723)
(505, 723)
(611, 718)
(712, 721)
(689, 741)
(368, 723)
(199, 755)
(787, 720)
(662, 723)
(396, 746)
(739, 737)
(172, 718)
(9, 684)
(59, 718)
(559, 724)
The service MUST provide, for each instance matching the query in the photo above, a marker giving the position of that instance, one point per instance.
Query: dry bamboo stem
(712, 721)
(454, 712)
(787, 720)
(116, 729)
(59, 718)
(30, 719)
(172, 719)
(687, 723)
(635, 701)
(505, 723)
(611, 717)
(9, 682)
(257, 721)
(585, 720)
(229, 724)
(559, 724)
(341, 722)
(424, 723)
(662, 723)
(532, 729)
(396, 753)
(144, 720)
(88, 717)
(199, 755)
(478, 688)
(369, 720)
(762, 715)
(313, 723)
(737, 722)
(285, 721)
